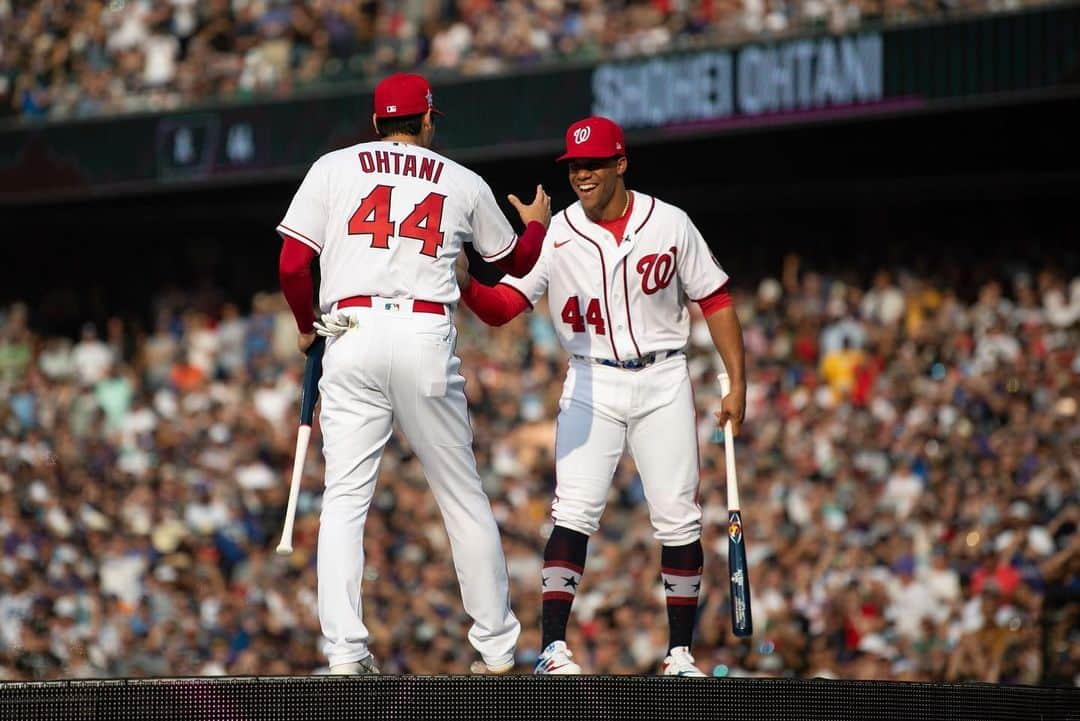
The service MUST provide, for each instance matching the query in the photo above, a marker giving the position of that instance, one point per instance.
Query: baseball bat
(309, 393)
(742, 622)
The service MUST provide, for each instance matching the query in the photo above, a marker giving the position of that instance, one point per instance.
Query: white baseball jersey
(389, 219)
(621, 301)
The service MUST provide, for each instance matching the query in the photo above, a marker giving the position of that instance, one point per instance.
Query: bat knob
(284, 550)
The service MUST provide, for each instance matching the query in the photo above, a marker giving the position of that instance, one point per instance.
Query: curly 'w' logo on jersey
(657, 270)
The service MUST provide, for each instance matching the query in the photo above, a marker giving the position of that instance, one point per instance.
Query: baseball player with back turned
(618, 268)
(387, 220)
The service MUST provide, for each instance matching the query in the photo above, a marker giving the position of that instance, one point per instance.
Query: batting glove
(333, 325)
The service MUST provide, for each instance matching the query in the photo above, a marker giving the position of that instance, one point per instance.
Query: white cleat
(362, 667)
(555, 661)
(680, 663)
(493, 669)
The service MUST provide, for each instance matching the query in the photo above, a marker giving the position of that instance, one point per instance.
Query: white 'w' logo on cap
(582, 134)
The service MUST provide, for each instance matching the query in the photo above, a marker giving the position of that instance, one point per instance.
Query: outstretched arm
(495, 305)
(526, 251)
(494, 238)
(537, 217)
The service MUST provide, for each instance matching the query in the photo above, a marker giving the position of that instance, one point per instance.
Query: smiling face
(598, 184)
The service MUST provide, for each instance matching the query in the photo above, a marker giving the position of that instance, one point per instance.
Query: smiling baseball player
(618, 268)
(387, 220)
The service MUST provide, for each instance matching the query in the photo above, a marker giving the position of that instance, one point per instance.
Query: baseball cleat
(493, 669)
(555, 660)
(362, 667)
(680, 663)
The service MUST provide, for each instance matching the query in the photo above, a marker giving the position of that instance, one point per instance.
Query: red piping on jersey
(603, 277)
(501, 250)
(301, 236)
(649, 215)
(626, 300)
(626, 289)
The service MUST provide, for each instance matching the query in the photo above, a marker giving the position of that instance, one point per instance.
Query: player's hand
(461, 271)
(733, 408)
(539, 210)
(304, 341)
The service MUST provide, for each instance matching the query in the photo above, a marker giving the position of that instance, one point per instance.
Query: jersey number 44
(571, 315)
(423, 223)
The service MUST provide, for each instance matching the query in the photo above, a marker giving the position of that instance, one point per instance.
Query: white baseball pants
(396, 364)
(602, 409)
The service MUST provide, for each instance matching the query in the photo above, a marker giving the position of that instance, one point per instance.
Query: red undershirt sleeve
(294, 272)
(715, 301)
(525, 253)
(495, 305)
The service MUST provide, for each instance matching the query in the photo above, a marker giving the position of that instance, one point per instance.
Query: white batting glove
(333, 325)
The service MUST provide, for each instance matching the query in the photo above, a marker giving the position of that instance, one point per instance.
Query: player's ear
(375, 123)
(620, 165)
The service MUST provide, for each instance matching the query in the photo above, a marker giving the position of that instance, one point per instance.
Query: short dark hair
(405, 125)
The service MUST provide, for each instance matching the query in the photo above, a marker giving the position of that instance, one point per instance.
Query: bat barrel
(303, 438)
(742, 622)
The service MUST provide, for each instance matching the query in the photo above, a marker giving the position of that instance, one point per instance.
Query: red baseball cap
(403, 94)
(594, 137)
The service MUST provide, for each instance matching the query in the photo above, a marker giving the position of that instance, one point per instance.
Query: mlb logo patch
(391, 108)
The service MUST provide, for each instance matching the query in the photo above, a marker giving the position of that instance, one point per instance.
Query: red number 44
(424, 223)
(571, 314)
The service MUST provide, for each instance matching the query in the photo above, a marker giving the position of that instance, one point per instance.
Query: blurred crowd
(81, 58)
(910, 471)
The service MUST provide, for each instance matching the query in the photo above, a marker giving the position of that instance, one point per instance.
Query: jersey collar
(639, 215)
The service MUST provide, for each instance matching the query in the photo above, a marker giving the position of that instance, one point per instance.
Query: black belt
(634, 363)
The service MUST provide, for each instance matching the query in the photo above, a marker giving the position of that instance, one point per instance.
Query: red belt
(418, 306)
